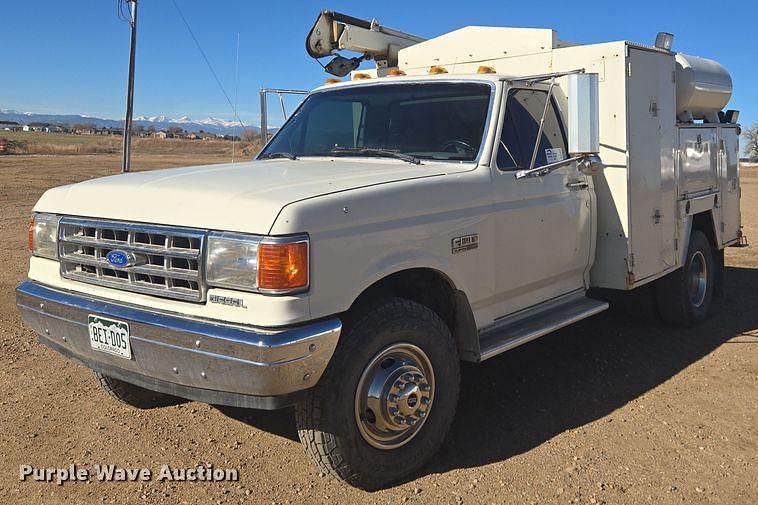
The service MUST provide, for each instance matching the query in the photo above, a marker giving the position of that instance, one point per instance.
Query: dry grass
(65, 144)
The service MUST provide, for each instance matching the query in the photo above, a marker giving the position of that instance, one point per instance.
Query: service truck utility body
(352, 281)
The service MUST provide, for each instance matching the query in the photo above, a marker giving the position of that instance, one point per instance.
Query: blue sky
(71, 57)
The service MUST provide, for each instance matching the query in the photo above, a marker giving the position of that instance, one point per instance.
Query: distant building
(10, 126)
(36, 127)
(160, 135)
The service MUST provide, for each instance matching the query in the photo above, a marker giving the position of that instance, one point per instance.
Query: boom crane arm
(333, 32)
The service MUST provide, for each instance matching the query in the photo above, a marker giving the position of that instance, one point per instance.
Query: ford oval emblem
(119, 259)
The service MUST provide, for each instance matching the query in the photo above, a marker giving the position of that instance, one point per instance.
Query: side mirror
(583, 115)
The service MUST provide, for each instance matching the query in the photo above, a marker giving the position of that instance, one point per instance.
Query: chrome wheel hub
(394, 396)
(698, 279)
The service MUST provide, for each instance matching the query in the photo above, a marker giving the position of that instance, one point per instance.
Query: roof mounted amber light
(361, 75)
(437, 70)
(484, 69)
(394, 72)
(333, 80)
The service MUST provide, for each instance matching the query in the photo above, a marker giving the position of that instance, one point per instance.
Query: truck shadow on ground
(517, 401)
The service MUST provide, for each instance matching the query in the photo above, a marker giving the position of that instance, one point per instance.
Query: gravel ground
(610, 410)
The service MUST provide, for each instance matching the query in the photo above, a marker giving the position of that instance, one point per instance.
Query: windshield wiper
(373, 151)
(279, 154)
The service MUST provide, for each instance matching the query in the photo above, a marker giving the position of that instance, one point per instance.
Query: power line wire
(123, 11)
(207, 62)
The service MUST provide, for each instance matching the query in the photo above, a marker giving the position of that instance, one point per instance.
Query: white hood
(244, 197)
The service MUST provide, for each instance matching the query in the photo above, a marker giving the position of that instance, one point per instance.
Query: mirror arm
(546, 169)
(542, 124)
(588, 164)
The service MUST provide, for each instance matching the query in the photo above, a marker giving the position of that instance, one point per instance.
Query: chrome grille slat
(171, 259)
(175, 252)
(175, 273)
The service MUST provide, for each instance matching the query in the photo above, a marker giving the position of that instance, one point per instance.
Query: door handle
(577, 185)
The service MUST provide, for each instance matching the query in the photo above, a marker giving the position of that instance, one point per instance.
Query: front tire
(386, 401)
(684, 296)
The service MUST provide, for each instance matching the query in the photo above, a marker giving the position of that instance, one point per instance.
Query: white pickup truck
(446, 206)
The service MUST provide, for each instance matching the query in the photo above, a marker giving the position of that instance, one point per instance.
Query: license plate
(108, 335)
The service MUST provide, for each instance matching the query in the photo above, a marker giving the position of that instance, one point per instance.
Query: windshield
(434, 120)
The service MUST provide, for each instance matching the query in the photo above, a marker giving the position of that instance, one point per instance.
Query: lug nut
(425, 400)
(393, 411)
(392, 397)
(399, 420)
(424, 387)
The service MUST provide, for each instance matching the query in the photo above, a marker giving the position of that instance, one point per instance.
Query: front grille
(167, 261)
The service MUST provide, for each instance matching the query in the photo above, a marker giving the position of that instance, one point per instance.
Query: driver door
(543, 225)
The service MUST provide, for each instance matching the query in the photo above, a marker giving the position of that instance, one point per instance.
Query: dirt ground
(610, 410)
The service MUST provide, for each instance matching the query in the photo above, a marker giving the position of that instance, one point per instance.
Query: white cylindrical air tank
(703, 86)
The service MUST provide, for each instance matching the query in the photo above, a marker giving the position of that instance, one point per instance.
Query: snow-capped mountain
(161, 122)
(210, 121)
(222, 123)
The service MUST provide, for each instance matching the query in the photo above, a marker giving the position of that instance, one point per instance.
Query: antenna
(236, 91)
(126, 163)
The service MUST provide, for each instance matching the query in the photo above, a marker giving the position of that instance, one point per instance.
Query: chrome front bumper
(190, 358)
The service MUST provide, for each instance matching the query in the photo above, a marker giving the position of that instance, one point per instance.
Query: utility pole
(125, 166)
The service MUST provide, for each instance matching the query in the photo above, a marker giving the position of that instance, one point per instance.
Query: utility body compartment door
(730, 183)
(651, 178)
(698, 161)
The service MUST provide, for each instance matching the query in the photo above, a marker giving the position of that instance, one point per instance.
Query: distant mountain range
(209, 124)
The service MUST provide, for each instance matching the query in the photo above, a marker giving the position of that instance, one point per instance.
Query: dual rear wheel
(684, 296)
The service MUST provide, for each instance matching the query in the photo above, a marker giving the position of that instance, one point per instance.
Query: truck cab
(470, 194)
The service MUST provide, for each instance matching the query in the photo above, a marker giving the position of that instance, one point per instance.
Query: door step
(535, 322)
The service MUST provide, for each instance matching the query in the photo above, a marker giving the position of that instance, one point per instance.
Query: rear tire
(387, 399)
(684, 296)
(135, 396)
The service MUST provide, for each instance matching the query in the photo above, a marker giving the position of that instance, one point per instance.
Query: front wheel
(684, 296)
(385, 403)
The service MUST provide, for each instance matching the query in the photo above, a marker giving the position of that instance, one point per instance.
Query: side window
(523, 112)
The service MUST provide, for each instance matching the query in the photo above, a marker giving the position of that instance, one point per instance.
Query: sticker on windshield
(554, 154)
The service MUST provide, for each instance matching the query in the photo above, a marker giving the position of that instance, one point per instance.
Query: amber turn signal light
(283, 267)
(393, 72)
(437, 70)
(31, 234)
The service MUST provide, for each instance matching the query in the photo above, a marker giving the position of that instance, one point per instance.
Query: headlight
(43, 235)
(276, 265)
